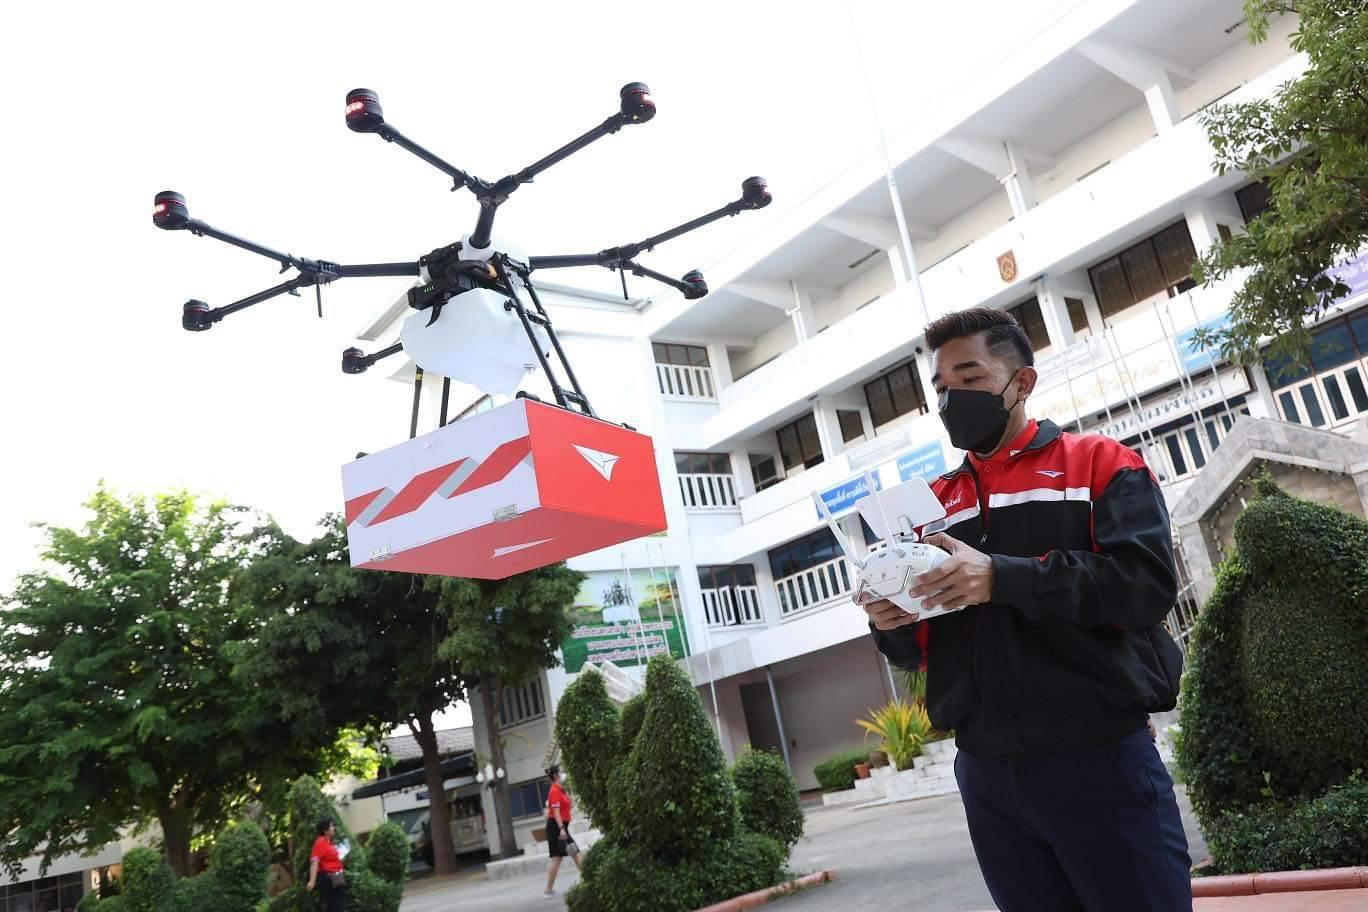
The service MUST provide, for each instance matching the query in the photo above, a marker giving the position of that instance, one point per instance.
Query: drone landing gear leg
(417, 400)
(564, 397)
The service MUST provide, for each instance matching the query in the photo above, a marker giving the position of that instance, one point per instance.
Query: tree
(1310, 144)
(503, 633)
(354, 648)
(117, 705)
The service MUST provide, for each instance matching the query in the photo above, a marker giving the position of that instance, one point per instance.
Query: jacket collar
(1035, 436)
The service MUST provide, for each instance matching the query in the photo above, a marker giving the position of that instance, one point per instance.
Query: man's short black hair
(1002, 333)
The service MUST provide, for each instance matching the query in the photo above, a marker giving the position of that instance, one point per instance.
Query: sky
(239, 107)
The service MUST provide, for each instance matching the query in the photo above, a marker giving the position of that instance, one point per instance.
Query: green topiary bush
(589, 733)
(633, 712)
(837, 774)
(308, 806)
(767, 797)
(672, 796)
(88, 902)
(147, 881)
(676, 842)
(387, 853)
(240, 862)
(1274, 691)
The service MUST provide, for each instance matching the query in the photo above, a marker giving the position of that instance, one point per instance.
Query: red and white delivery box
(502, 492)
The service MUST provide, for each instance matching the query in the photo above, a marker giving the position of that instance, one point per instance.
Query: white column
(1163, 104)
(829, 427)
(924, 377)
(804, 319)
(1262, 404)
(1055, 312)
(721, 365)
(1017, 182)
(1201, 222)
(741, 471)
(895, 262)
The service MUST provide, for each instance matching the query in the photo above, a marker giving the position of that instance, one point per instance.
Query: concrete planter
(760, 897)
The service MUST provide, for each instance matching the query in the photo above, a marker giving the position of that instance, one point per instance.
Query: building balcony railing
(688, 382)
(733, 606)
(708, 492)
(814, 588)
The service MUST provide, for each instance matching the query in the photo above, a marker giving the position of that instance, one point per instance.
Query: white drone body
(889, 572)
(476, 340)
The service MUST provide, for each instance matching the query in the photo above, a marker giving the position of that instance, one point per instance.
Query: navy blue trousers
(1095, 829)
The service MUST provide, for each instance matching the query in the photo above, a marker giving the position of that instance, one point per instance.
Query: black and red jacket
(1070, 652)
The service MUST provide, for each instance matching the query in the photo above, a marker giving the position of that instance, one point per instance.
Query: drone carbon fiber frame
(455, 272)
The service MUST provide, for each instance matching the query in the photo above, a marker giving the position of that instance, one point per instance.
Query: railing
(814, 587)
(708, 492)
(732, 606)
(680, 381)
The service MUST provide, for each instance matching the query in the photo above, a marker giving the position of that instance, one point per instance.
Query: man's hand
(965, 579)
(888, 616)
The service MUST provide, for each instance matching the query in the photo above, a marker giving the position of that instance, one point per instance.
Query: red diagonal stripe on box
(357, 505)
(416, 491)
(499, 464)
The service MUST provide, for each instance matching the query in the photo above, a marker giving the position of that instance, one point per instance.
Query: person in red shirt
(325, 860)
(558, 829)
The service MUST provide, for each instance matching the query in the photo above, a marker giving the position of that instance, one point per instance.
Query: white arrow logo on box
(600, 460)
(500, 552)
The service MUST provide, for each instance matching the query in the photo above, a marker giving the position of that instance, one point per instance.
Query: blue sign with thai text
(1195, 357)
(926, 461)
(841, 499)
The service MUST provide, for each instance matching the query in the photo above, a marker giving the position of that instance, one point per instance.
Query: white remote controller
(891, 570)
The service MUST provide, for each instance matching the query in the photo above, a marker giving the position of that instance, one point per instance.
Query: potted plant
(862, 771)
(902, 728)
(877, 759)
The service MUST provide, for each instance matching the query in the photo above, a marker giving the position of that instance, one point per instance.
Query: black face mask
(976, 419)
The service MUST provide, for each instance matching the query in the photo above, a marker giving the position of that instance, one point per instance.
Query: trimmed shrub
(589, 733)
(767, 797)
(624, 878)
(147, 881)
(1304, 633)
(673, 797)
(387, 853)
(1274, 690)
(88, 902)
(204, 894)
(1325, 832)
(837, 774)
(633, 712)
(113, 904)
(240, 863)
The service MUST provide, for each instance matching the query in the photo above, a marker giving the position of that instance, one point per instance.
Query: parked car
(467, 829)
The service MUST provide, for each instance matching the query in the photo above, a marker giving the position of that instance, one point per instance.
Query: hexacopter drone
(479, 272)
(491, 485)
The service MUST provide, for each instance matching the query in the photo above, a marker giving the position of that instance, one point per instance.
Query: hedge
(767, 797)
(837, 774)
(1325, 832)
(387, 852)
(633, 713)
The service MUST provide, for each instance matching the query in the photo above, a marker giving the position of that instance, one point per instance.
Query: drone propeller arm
(198, 316)
(679, 284)
(461, 178)
(611, 125)
(369, 270)
(195, 226)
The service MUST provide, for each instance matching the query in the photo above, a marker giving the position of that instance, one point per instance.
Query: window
(1179, 449)
(1160, 263)
(1224, 231)
(521, 704)
(50, 894)
(730, 598)
(1027, 313)
(1253, 199)
(852, 426)
(1078, 317)
(764, 472)
(528, 799)
(1331, 390)
(680, 355)
(804, 554)
(799, 445)
(895, 394)
(702, 464)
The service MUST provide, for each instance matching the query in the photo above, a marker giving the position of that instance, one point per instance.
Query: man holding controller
(1060, 573)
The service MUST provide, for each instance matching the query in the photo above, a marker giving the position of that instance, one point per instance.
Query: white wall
(873, 279)
(976, 220)
(775, 342)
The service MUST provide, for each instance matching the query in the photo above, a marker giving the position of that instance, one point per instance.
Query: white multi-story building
(1072, 184)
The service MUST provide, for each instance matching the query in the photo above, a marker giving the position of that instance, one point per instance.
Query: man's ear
(1027, 378)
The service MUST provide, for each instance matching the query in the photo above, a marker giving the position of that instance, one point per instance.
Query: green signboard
(625, 617)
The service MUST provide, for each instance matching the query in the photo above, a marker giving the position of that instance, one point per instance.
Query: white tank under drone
(471, 322)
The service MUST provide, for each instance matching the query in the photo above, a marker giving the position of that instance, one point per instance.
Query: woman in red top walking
(325, 860)
(558, 829)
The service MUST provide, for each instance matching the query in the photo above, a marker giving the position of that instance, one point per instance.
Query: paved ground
(871, 850)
